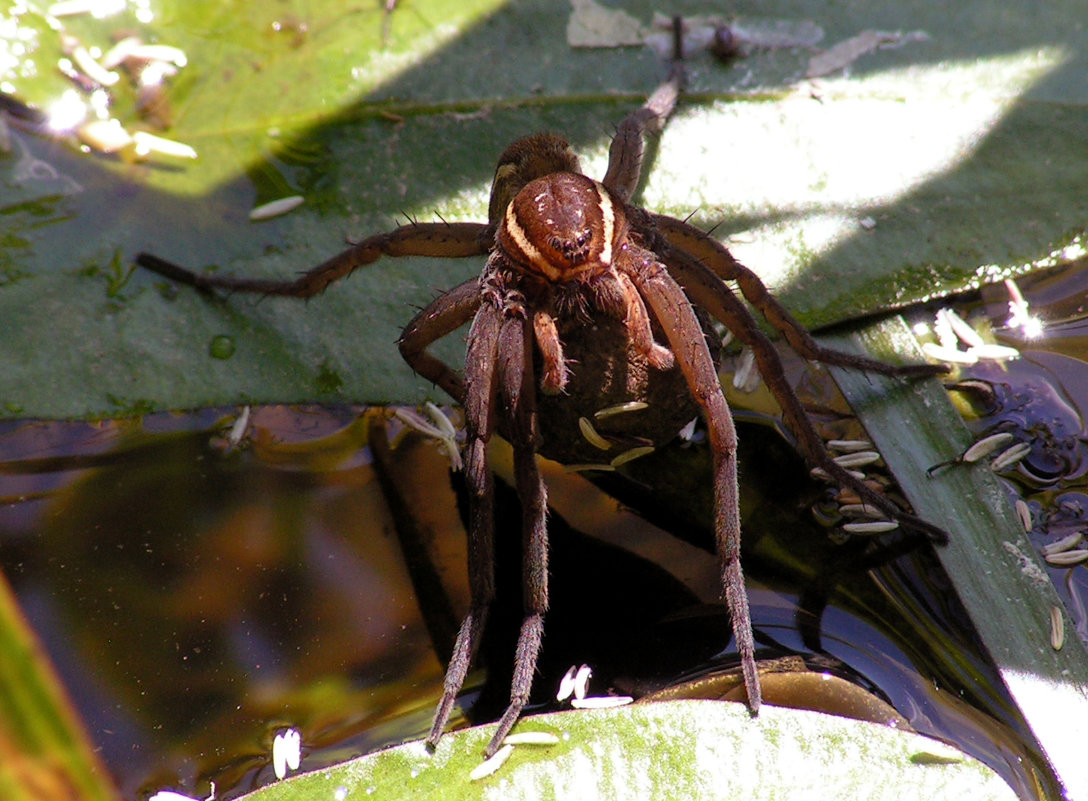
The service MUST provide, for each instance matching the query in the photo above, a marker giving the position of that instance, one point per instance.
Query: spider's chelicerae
(585, 302)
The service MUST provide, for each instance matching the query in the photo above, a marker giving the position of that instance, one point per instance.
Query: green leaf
(44, 750)
(927, 168)
(673, 750)
(993, 567)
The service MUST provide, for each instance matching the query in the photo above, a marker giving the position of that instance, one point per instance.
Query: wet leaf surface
(683, 749)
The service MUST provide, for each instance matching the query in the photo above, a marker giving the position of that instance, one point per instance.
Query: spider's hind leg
(710, 256)
(706, 288)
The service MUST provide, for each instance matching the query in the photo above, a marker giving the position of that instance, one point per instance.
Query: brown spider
(578, 289)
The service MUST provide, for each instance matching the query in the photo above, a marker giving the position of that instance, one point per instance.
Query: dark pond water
(198, 595)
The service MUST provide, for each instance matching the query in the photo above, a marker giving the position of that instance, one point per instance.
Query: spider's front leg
(674, 313)
(481, 389)
(625, 152)
(498, 369)
(518, 390)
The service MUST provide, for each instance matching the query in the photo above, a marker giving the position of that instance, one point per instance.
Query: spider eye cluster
(560, 227)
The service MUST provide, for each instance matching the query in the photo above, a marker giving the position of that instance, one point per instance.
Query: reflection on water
(199, 592)
(196, 596)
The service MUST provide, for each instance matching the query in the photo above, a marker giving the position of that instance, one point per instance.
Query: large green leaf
(990, 562)
(925, 168)
(45, 751)
(673, 750)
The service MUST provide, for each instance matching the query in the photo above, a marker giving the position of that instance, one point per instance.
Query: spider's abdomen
(561, 227)
(607, 370)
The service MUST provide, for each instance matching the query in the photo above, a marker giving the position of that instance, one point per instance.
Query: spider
(585, 301)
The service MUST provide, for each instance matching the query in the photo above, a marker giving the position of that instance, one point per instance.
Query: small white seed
(1011, 456)
(602, 702)
(1023, 511)
(991, 352)
(581, 681)
(566, 684)
(275, 208)
(747, 377)
(632, 454)
(849, 445)
(875, 527)
(945, 335)
(286, 752)
(158, 52)
(1064, 544)
(146, 144)
(620, 408)
(1057, 628)
(105, 136)
(857, 459)
(441, 430)
(860, 510)
(438, 417)
(986, 446)
(823, 475)
(489, 766)
(688, 431)
(949, 355)
(1067, 558)
(92, 69)
(117, 54)
(589, 433)
(238, 428)
(170, 795)
(962, 328)
(531, 738)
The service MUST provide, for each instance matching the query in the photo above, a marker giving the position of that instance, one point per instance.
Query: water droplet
(222, 347)
(328, 381)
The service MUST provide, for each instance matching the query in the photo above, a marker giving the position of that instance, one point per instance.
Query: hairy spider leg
(442, 240)
(555, 373)
(625, 152)
(715, 256)
(707, 289)
(673, 310)
(499, 366)
(458, 306)
(481, 389)
(518, 389)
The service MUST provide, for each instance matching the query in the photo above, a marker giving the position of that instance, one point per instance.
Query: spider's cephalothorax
(586, 302)
(562, 227)
(563, 243)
